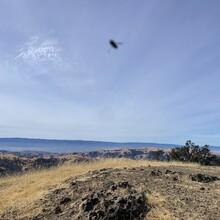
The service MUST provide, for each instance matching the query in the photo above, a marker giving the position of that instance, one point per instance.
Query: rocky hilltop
(146, 192)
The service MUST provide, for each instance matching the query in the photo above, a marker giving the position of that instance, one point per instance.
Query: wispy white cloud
(38, 51)
(44, 59)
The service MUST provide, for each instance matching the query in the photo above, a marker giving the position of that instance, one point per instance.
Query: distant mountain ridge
(75, 146)
(70, 146)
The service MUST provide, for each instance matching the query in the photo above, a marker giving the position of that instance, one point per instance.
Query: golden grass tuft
(158, 211)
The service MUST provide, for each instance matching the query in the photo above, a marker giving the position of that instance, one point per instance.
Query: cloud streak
(43, 58)
(38, 51)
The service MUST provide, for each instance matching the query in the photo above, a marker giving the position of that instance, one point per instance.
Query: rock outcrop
(131, 193)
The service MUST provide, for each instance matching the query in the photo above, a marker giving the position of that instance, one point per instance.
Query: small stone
(65, 200)
(87, 206)
(156, 173)
(113, 187)
(100, 213)
(168, 171)
(175, 178)
(57, 210)
(121, 200)
(123, 184)
(73, 183)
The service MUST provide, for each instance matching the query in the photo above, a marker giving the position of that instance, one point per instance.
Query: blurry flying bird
(114, 44)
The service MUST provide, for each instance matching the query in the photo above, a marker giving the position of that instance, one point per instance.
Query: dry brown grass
(158, 211)
(21, 191)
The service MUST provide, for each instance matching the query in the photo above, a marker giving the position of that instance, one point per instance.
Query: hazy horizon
(58, 79)
(69, 146)
(101, 141)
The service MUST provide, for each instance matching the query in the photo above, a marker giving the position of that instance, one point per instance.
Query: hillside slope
(11, 164)
(17, 162)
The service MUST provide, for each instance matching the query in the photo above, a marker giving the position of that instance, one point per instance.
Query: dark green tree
(193, 153)
(206, 157)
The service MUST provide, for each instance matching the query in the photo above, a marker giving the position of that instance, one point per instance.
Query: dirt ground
(170, 192)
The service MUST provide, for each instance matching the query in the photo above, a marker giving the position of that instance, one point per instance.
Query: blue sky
(59, 80)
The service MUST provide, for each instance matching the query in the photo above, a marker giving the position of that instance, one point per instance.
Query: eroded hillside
(17, 162)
